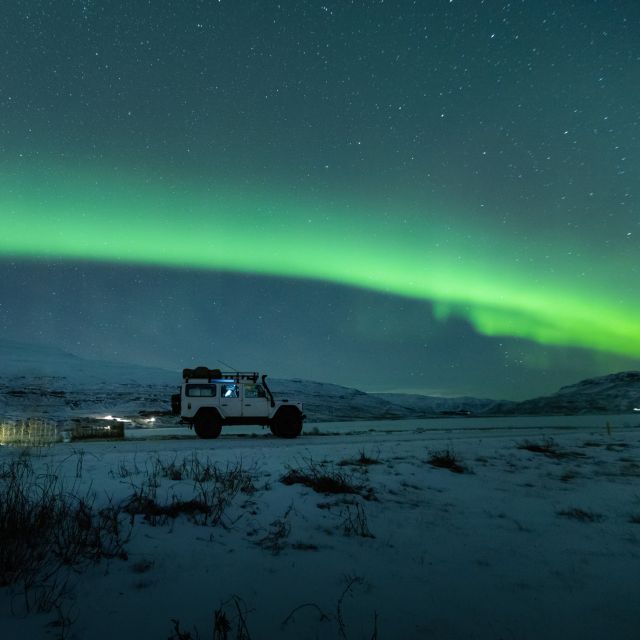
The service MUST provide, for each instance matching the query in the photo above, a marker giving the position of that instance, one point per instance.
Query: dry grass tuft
(363, 460)
(447, 459)
(48, 532)
(550, 449)
(581, 514)
(355, 522)
(326, 481)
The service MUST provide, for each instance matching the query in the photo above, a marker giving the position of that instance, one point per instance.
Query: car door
(198, 395)
(230, 400)
(254, 402)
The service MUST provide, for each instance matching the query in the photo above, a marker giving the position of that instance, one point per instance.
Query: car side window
(201, 390)
(229, 391)
(254, 391)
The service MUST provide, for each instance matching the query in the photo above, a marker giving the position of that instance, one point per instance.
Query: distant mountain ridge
(458, 405)
(34, 361)
(612, 393)
(41, 380)
(324, 402)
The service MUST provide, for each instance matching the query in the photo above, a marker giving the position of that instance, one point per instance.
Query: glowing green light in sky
(465, 270)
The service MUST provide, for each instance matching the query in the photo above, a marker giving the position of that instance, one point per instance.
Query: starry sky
(436, 197)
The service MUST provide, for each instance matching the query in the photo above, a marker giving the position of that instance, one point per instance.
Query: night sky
(432, 196)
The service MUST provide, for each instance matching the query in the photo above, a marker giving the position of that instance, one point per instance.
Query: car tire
(207, 426)
(288, 424)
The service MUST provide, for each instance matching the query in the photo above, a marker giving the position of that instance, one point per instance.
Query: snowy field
(528, 528)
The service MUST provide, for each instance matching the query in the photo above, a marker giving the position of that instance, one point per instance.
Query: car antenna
(228, 365)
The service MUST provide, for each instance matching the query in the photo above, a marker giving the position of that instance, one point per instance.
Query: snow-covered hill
(437, 405)
(41, 362)
(42, 381)
(38, 380)
(613, 393)
(331, 402)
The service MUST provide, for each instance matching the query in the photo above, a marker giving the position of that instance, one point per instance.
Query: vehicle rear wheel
(287, 424)
(207, 426)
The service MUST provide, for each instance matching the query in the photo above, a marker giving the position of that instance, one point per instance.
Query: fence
(28, 433)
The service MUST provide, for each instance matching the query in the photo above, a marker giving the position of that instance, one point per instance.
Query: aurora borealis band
(280, 237)
(475, 164)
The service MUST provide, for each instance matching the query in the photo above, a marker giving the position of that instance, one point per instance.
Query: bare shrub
(352, 581)
(322, 616)
(329, 482)
(274, 541)
(581, 514)
(233, 476)
(234, 623)
(229, 623)
(178, 634)
(47, 531)
(341, 632)
(363, 460)
(326, 481)
(549, 448)
(214, 490)
(155, 513)
(447, 459)
(355, 522)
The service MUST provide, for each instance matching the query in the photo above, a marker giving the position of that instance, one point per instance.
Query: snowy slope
(613, 393)
(42, 381)
(41, 362)
(324, 401)
(435, 405)
(37, 380)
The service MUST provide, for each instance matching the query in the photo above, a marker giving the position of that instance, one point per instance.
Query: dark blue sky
(501, 136)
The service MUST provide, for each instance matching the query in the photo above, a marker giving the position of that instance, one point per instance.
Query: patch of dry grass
(363, 460)
(583, 515)
(447, 459)
(550, 449)
(325, 480)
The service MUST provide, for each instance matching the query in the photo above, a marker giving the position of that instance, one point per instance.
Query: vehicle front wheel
(207, 426)
(287, 424)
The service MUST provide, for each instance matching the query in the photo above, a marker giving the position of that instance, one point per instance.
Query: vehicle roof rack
(241, 376)
(215, 374)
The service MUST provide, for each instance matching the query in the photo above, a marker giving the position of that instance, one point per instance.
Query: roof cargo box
(201, 372)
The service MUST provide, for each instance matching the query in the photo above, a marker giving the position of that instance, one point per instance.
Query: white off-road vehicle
(210, 398)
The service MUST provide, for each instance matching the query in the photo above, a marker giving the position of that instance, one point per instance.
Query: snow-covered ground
(523, 544)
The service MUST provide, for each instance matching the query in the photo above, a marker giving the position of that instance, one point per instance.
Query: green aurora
(470, 271)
